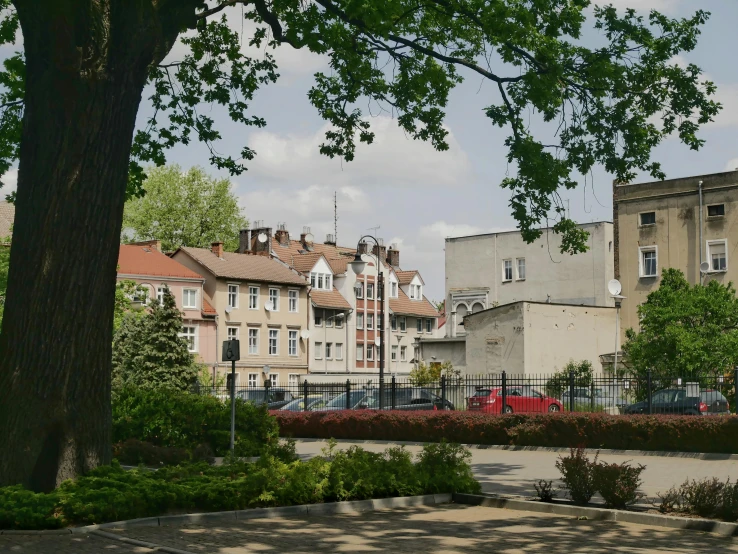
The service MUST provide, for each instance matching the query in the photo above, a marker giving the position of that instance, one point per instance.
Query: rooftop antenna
(335, 217)
(375, 229)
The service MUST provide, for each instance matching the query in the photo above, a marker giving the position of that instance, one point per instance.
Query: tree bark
(87, 65)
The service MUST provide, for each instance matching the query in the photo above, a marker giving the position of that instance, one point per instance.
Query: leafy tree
(184, 209)
(583, 377)
(430, 374)
(148, 351)
(688, 331)
(125, 293)
(68, 113)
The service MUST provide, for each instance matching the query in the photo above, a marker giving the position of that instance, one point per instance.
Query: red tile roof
(405, 277)
(304, 262)
(329, 299)
(145, 261)
(207, 308)
(404, 306)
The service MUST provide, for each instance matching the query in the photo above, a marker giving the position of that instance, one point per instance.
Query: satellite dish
(262, 237)
(614, 287)
(704, 267)
(309, 238)
(305, 334)
(228, 309)
(268, 307)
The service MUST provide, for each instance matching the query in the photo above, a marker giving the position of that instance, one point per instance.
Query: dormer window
(321, 281)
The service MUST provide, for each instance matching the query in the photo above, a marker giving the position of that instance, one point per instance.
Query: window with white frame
(232, 333)
(189, 299)
(419, 292)
(403, 353)
(648, 262)
(273, 342)
(717, 254)
(339, 320)
(253, 341)
(359, 289)
(320, 281)
(293, 299)
(313, 279)
(507, 270)
(359, 321)
(274, 299)
(141, 294)
(274, 378)
(329, 317)
(369, 352)
(293, 380)
(253, 298)
(253, 379)
(403, 324)
(393, 322)
(328, 350)
(160, 293)
(233, 296)
(393, 354)
(318, 317)
(370, 321)
(359, 352)
(419, 325)
(189, 334)
(370, 291)
(339, 351)
(393, 289)
(520, 265)
(292, 343)
(318, 351)
(428, 325)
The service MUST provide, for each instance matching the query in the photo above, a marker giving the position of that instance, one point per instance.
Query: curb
(514, 448)
(602, 514)
(330, 508)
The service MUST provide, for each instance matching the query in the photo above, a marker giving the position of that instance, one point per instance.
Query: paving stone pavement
(444, 529)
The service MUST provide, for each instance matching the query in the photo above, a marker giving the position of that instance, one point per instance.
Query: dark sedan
(405, 399)
(274, 399)
(677, 402)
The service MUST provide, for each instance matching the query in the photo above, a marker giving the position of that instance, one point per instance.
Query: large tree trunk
(86, 70)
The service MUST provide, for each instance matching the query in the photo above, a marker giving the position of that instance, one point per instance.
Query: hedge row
(639, 432)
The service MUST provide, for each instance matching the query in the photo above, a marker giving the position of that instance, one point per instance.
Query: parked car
(315, 401)
(676, 401)
(405, 399)
(597, 398)
(519, 400)
(277, 397)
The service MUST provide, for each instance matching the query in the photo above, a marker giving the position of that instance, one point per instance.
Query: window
(428, 325)
(419, 325)
(359, 321)
(393, 355)
(160, 293)
(253, 341)
(329, 317)
(648, 218)
(274, 380)
(318, 317)
(393, 322)
(403, 324)
(717, 254)
(253, 379)
(313, 277)
(359, 288)
(369, 352)
(328, 350)
(233, 296)
(328, 282)
(393, 289)
(339, 320)
(359, 352)
(292, 343)
(293, 295)
(716, 210)
(232, 333)
(189, 298)
(318, 351)
(274, 299)
(370, 291)
(648, 261)
(189, 334)
(320, 281)
(370, 321)
(293, 380)
(507, 270)
(403, 353)
(339, 351)
(253, 298)
(520, 262)
(273, 342)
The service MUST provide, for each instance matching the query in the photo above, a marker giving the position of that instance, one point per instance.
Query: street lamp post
(325, 337)
(358, 266)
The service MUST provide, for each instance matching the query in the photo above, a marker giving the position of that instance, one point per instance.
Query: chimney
(243, 241)
(393, 256)
(217, 249)
(261, 241)
(153, 244)
(282, 235)
(304, 237)
(380, 250)
(330, 239)
(363, 248)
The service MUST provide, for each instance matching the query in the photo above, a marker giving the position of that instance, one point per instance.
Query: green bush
(618, 483)
(110, 493)
(175, 419)
(578, 475)
(135, 452)
(706, 498)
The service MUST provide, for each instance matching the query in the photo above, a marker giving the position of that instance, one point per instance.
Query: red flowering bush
(639, 432)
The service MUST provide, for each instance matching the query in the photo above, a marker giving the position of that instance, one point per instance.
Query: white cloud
(10, 182)
(394, 159)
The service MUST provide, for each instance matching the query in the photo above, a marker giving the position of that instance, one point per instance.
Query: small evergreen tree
(583, 377)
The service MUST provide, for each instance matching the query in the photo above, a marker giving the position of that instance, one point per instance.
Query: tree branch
(219, 8)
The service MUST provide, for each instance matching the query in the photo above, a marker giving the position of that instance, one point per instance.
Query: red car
(519, 400)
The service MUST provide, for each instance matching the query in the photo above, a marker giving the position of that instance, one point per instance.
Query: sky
(408, 194)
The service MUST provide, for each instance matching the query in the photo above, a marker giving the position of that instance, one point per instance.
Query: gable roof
(149, 262)
(305, 262)
(404, 306)
(7, 216)
(329, 299)
(405, 277)
(244, 267)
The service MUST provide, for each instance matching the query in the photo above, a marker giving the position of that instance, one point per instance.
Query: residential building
(7, 216)
(494, 269)
(260, 302)
(156, 272)
(677, 223)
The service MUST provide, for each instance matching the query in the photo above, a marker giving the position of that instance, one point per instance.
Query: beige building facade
(676, 223)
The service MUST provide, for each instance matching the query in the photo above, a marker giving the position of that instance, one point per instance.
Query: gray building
(489, 270)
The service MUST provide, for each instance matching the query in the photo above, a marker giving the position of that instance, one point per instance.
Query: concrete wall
(445, 350)
(675, 234)
(495, 341)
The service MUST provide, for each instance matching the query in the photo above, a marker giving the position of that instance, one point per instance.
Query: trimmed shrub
(618, 483)
(135, 452)
(578, 475)
(544, 490)
(642, 432)
(670, 501)
(703, 498)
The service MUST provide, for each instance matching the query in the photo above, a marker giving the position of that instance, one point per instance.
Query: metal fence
(503, 393)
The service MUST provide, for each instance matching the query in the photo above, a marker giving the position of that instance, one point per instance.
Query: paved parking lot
(426, 529)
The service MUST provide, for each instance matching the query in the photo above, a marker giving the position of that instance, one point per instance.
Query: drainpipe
(215, 366)
(699, 187)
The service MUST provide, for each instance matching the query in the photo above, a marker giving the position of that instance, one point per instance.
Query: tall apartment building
(487, 270)
(676, 223)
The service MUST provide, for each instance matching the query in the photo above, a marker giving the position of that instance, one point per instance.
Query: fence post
(504, 392)
(648, 391)
(348, 394)
(393, 394)
(592, 397)
(304, 395)
(267, 384)
(571, 391)
(443, 392)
